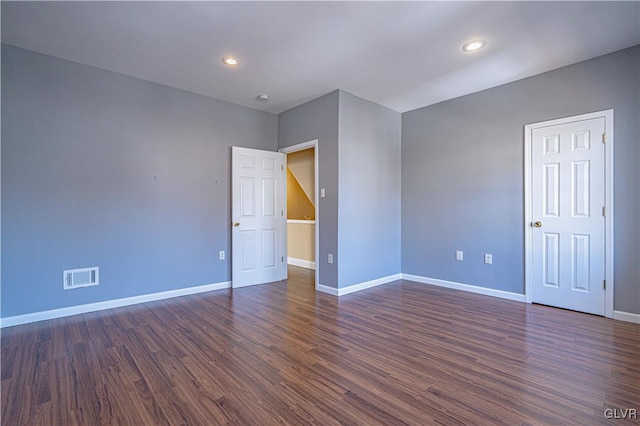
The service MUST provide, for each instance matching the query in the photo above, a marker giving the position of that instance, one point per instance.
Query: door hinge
(281, 166)
(281, 212)
(604, 138)
(604, 211)
(282, 259)
(604, 284)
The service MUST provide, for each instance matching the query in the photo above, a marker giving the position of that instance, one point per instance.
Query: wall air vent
(76, 278)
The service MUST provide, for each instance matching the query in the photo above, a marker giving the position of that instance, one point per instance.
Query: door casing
(608, 182)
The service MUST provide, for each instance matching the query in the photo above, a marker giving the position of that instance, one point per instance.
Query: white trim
(316, 166)
(608, 185)
(358, 287)
(118, 303)
(368, 284)
(299, 147)
(109, 304)
(528, 235)
(608, 227)
(326, 289)
(465, 287)
(301, 222)
(626, 316)
(302, 263)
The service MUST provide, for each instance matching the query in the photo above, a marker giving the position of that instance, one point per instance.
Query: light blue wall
(463, 165)
(100, 169)
(359, 166)
(318, 119)
(369, 191)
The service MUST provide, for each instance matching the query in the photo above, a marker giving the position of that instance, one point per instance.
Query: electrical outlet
(459, 255)
(488, 258)
(322, 193)
(221, 255)
(329, 258)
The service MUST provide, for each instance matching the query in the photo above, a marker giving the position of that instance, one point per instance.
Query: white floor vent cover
(76, 278)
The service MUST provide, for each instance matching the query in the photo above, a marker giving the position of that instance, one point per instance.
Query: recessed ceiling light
(229, 60)
(473, 45)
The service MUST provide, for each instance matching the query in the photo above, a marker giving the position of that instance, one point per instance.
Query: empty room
(320, 212)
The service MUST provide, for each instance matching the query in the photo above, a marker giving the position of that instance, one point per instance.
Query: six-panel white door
(568, 226)
(257, 182)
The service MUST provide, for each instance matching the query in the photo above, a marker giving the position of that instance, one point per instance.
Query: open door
(257, 212)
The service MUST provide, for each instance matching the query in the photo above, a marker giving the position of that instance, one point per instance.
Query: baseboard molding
(358, 287)
(301, 263)
(326, 289)
(368, 284)
(465, 287)
(117, 303)
(626, 316)
(109, 304)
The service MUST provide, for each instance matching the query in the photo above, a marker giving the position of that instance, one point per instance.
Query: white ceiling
(404, 55)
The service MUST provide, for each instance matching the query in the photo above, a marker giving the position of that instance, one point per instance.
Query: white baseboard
(368, 284)
(109, 304)
(626, 316)
(358, 287)
(301, 263)
(465, 287)
(117, 303)
(326, 289)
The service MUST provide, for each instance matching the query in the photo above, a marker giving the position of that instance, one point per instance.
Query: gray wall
(100, 169)
(369, 191)
(359, 166)
(463, 165)
(318, 119)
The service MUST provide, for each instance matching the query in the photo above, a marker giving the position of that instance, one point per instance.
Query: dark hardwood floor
(402, 353)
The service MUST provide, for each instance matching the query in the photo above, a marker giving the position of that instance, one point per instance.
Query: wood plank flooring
(402, 353)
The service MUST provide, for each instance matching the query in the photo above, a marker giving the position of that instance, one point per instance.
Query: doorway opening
(302, 236)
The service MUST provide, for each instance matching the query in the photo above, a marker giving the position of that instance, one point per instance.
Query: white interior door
(257, 236)
(567, 215)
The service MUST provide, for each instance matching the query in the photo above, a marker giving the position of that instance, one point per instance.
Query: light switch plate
(488, 258)
(459, 255)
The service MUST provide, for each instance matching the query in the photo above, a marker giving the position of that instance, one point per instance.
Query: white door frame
(288, 150)
(608, 190)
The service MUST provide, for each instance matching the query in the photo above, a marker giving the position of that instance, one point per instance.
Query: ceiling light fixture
(263, 98)
(229, 60)
(473, 45)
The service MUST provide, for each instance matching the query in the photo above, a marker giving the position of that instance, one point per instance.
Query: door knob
(236, 223)
(537, 224)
